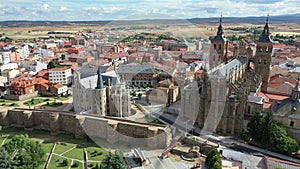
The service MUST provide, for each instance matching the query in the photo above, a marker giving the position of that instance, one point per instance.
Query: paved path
(49, 157)
(68, 150)
(3, 141)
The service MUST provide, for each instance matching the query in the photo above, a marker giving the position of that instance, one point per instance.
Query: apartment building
(60, 75)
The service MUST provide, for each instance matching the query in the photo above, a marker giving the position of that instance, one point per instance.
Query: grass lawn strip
(76, 153)
(91, 165)
(93, 156)
(63, 147)
(71, 164)
(67, 151)
(56, 162)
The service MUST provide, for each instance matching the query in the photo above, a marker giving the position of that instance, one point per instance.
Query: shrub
(66, 162)
(75, 164)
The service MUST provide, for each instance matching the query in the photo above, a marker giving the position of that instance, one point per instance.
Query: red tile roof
(279, 79)
(276, 97)
(59, 69)
(58, 85)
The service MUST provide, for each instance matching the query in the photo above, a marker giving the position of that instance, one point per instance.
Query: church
(227, 91)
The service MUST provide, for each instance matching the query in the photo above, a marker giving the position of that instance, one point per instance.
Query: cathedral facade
(228, 90)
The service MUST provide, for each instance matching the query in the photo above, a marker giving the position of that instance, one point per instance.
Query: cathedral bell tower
(262, 58)
(218, 48)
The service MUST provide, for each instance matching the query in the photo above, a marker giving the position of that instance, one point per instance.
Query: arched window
(215, 46)
(220, 46)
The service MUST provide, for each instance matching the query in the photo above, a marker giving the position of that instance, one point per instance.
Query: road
(183, 126)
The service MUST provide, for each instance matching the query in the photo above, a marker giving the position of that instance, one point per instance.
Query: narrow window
(249, 109)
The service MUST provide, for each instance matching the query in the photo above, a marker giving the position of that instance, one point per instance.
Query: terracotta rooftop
(57, 85)
(276, 97)
(59, 69)
(279, 79)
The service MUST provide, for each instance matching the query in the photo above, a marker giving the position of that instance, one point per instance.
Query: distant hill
(251, 19)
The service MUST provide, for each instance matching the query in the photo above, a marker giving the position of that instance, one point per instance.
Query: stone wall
(21, 97)
(109, 129)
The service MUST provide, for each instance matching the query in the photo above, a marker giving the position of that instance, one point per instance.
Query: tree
(5, 160)
(213, 159)
(271, 134)
(255, 124)
(140, 95)
(25, 152)
(54, 64)
(116, 160)
(133, 93)
(268, 127)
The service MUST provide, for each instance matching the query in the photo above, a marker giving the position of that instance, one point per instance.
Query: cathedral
(228, 90)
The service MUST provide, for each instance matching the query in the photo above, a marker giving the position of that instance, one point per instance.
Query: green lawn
(53, 98)
(53, 104)
(96, 153)
(76, 153)
(10, 104)
(63, 147)
(79, 166)
(92, 165)
(47, 147)
(56, 162)
(35, 101)
(62, 98)
(64, 142)
(7, 101)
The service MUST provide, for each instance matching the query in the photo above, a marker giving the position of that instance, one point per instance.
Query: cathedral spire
(220, 28)
(265, 35)
(99, 80)
(266, 28)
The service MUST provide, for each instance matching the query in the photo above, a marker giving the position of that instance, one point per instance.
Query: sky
(86, 10)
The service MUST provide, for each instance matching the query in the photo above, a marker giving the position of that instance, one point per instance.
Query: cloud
(62, 8)
(260, 1)
(46, 6)
(113, 9)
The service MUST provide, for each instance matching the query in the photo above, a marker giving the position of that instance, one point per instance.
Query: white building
(8, 66)
(5, 56)
(36, 67)
(44, 52)
(24, 52)
(10, 73)
(60, 75)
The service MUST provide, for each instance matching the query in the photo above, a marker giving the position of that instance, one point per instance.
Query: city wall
(110, 129)
(21, 97)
